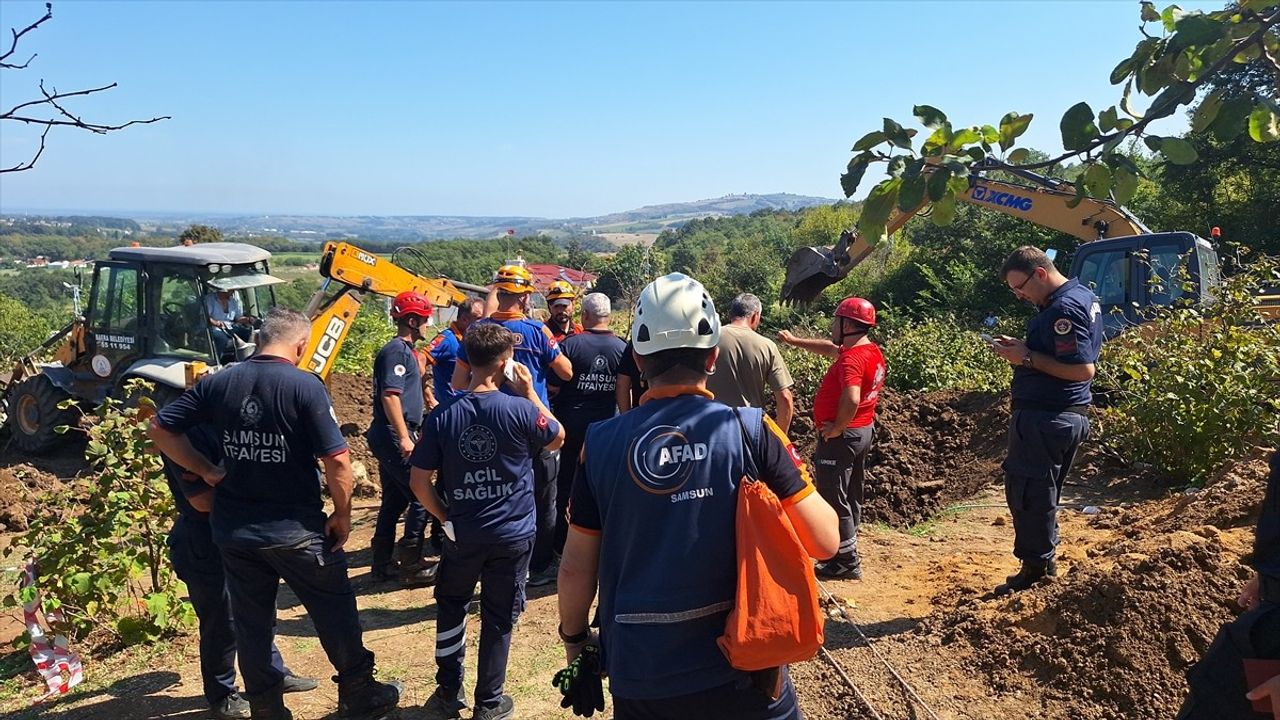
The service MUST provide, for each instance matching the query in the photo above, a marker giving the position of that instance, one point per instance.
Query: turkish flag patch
(795, 456)
(543, 421)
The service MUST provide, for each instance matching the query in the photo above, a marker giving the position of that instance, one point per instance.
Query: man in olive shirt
(749, 364)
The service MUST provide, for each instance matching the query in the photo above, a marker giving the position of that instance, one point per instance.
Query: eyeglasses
(1018, 288)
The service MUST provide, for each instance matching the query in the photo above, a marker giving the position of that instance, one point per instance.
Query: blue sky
(561, 109)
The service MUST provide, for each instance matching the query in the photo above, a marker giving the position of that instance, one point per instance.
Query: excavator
(146, 318)
(1128, 266)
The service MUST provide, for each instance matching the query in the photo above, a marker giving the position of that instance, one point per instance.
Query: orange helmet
(561, 290)
(513, 279)
(410, 303)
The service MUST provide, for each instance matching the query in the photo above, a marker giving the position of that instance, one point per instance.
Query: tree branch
(32, 162)
(48, 15)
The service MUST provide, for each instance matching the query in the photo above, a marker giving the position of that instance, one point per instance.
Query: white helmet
(674, 312)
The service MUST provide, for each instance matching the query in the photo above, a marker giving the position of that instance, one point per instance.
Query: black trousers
(575, 425)
(735, 701)
(397, 499)
(319, 578)
(1042, 447)
(198, 563)
(500, 569)
(546, 470)
(840, 473)
(1217, 682)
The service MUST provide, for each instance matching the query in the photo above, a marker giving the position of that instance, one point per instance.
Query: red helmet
(410, 303)
(858, 310)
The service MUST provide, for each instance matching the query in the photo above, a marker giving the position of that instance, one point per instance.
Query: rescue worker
(652, 525)
(560, 297)
(268, 519)
(590, 397)
(1052, 378)
(539, 352)
(398, 409)
(844, 414)
(631, 383)
(442, 352)
(749, 364)
(198, 563)
(473, 469)
(1218, 687)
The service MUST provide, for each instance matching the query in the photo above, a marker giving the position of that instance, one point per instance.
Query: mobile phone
(509, 370)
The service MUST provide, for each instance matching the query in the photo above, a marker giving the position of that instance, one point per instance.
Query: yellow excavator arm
(1045, 203)
(358, 273)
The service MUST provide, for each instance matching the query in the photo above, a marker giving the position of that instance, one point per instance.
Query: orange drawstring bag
(776, 619)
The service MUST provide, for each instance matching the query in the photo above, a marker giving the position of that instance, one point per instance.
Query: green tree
(200, 234)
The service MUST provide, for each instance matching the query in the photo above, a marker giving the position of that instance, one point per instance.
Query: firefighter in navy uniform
(539, 352)
(652, 525)
(198, 563)
(477, 453)
(274, 421)
(398, 409)
(1052, 377)
(1219, 690)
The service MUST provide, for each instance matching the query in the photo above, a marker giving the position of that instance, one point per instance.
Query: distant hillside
(647, 220)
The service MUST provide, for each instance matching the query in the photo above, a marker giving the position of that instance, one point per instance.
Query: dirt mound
(932, 449)
(352, 403)
(20, 485)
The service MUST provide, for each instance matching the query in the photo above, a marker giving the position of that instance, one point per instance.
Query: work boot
(298, 684)
(504, 710)
(231, 707)
(363, 698)
(1029, 575)
(413, 571)
(383, 567)
(444, 704)
(268, 705)
(839, 569)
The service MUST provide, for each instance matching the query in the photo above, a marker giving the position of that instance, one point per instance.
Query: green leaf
(1264, 124)
(1171, 16)
(1126, 185)
(1126, 103)
(944, 210)
(869, 141)
(1168, 101)
(1077, 127)
(896, 134)
(990, 135)
(1149, 12)
(938, 141)
(877, 209)
(1122, 71)
(80, 583)
(852, 176)
(1012, 125)
(1195, 29)
(1075, 201)
(937, 186)
(1107, 119)
(1097, 180)
(1019, 155)
(1178, 151)
(897, 166)
(912, 192)
(1233, 118)
(929, 116)
(966, 136)
(1207, 111)
(1153, 142)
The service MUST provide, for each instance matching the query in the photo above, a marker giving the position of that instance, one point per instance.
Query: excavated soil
(352, 397)
(20, 486)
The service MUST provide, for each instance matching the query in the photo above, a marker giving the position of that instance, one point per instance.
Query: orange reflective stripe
(670, 391)
(503, 315)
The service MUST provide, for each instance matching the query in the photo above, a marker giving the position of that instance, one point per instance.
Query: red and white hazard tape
(60, 668)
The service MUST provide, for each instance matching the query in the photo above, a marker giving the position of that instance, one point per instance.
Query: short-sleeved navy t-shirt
(273, 421)
(535, 348)
(1068, 328)
(482, 446)
(184, 484)
(629, 368)
(1266, 546)
(395, 372)
(596, 355)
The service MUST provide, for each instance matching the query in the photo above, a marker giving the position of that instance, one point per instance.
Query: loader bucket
(809, 271)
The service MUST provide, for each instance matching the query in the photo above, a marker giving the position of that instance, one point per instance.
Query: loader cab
(1132, 275)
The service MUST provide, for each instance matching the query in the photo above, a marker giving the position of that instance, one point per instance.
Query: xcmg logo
(1003, 199)
(328, 343)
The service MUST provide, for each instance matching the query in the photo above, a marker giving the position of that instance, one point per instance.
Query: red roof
(545, 274)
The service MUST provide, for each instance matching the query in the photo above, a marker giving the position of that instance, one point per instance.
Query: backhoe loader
(1127, 266)
(146, 318)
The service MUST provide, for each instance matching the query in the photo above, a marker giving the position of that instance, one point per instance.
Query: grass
(930, 526)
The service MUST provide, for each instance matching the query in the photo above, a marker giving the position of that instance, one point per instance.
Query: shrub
(99, 546)
(1197, 385)
(23, 329)
(370, 331)
(941, 354)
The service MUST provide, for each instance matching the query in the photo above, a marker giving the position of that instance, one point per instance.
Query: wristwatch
(574, 639)
(1027, 360)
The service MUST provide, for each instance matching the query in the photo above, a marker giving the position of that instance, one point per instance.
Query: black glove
(580, 683)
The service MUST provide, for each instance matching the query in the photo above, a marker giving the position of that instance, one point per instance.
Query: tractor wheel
(34, 413)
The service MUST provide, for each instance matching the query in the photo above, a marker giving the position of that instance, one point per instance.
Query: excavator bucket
(809, 271)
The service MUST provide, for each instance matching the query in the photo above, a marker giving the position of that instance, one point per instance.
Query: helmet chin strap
(844, 322)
